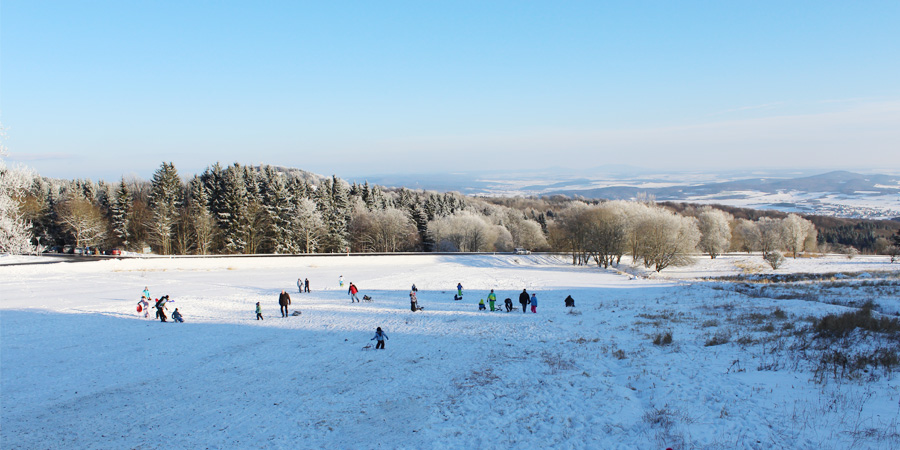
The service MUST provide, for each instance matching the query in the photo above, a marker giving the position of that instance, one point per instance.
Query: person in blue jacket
(534, 303)
(380, 337)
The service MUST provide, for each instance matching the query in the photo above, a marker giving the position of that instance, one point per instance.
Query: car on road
(522, 251)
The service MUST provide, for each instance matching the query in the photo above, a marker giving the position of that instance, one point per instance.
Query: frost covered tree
(82, 218)
(15, 231)
(796, 233)
(233, 216)
(307, 225)
(334, 204)
(166, 194)
(279, 206)
(745, 236)
(715, 231)
(464, 231)
(668, 239)
(607, 236)
(384, 230)
(771, 235)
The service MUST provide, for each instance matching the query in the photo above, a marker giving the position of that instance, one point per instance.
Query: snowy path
(79, 369)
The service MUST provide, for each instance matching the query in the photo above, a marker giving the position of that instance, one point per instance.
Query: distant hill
(841, 182)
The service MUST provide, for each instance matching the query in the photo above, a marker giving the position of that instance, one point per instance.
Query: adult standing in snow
(413, 301)
(306, 284)
(523, 299)
(300, 285)
(259, 312)
(492, 297)
(161, 308)
(283, 301)
(352, 291)
(380, 337)
(534, 303)
(459, 289)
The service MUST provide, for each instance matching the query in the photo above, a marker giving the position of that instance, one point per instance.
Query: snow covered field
(79, 368)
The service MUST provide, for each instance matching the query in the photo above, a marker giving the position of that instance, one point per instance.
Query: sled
(295, 313)
(457, 297)
(139, 308)
(367, 347)
(366, 298)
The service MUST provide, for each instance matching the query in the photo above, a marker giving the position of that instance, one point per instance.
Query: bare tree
(83, 219)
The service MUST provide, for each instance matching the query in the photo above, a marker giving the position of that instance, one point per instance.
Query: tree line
(241, 209)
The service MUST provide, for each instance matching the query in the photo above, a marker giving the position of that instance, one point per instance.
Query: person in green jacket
(492, 297)
(258, 312)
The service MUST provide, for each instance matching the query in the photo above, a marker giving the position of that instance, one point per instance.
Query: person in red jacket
(353, 290)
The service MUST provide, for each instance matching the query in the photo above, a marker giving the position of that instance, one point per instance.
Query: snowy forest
(241, 209)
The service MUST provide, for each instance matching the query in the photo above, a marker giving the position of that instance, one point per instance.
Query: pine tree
(202, 221)
(233, 216)
(120, 209)
(166, 196)
(279, 206)
(336, 217)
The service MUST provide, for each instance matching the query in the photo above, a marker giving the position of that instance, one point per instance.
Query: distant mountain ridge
(843, 182)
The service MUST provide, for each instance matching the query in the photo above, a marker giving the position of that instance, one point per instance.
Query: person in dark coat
(508, 303)
(570, 302)
(523, 299)
(284, 300)
(306, 284)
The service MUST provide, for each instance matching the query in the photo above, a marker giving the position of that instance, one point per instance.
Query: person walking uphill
(523, 299)
(283, 301)
(259, 312)
(534, 303)
(380, 337)
(352, 291)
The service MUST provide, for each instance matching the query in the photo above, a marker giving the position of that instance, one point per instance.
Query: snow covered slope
(81, 369)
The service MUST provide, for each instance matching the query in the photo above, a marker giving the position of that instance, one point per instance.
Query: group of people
(160, 305)
(303, 285)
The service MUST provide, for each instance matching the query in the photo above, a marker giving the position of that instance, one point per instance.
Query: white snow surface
(81, 369)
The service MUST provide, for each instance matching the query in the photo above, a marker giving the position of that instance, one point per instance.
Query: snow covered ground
(79, 368)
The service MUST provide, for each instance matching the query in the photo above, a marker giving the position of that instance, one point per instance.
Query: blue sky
(105, 89)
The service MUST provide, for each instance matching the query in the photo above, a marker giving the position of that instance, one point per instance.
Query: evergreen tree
(120, 211)
(202, 221)
(279, 205)
(166, 197)
(337, 217)
(233, 216)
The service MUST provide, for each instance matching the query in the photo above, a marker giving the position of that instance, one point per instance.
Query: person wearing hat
(380, 337)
